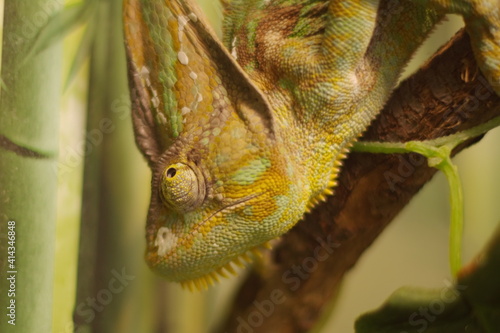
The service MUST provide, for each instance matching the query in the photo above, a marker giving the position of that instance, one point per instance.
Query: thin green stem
(462, 136)
(402, 147)
(438, 154)
(439, 157)
(380, 147)
(456, 214)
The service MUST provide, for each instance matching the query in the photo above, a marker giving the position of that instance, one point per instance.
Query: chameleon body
(246, 137)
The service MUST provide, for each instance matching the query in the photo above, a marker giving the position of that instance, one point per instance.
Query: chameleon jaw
(205, 281)
(332, 183)
(167, 240)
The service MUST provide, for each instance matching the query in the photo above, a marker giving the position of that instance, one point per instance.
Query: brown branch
(447, 95)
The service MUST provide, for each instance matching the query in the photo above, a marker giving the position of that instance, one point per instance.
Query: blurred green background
(412, 251)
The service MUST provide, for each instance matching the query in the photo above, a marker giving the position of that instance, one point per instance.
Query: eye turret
(182, 189)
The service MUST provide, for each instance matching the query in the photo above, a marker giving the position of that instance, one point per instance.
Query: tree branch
(304, 271)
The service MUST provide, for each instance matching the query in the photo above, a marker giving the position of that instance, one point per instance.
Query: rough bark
(305, 269)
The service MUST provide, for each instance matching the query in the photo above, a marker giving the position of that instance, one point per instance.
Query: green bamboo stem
(29, 108)
(86, 313)
(111, 241)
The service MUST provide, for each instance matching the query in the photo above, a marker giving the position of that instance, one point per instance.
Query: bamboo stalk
(113, 293)
(29, 108)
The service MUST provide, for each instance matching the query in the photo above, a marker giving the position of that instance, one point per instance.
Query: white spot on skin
(193, 17)
(234, 53)
(182, 21)
(156, 101)
(183, 58)
(144, 72)
(165, 240)
(354, 79)
(162, 119)
(131, 13)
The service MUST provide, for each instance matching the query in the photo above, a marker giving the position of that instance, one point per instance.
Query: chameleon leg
(365, 46)
(482, 22)
(348, 33)
(402, 27)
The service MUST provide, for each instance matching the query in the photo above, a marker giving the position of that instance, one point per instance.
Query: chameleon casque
(245, 137)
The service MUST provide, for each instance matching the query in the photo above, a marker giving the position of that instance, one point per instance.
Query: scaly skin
(243, 140)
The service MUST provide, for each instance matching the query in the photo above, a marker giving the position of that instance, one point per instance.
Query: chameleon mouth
(233, 205)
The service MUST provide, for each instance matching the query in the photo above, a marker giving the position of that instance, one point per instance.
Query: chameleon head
(213, 203)
(223, 183)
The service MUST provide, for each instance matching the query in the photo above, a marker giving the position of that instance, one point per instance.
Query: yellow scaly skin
(243, 140)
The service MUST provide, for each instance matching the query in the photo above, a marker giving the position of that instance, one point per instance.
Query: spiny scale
(322, 197)
(202, 283)
(332, 183)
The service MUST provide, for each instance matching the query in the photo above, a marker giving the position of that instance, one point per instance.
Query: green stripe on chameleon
(283, 205)
(306, 26)
(286, 83)
(250, 173)
(252, 35)
(156, 15)
(237, 18)
(248, 210)
(250, 67)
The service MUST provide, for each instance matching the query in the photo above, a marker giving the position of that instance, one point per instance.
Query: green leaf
(471, 305)
(59, 26)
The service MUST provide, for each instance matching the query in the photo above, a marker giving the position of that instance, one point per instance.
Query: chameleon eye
(181, 189)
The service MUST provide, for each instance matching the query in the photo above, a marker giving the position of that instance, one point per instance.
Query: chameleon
(247, 134)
